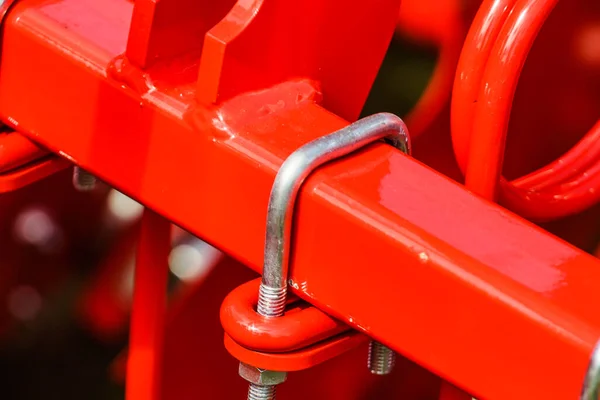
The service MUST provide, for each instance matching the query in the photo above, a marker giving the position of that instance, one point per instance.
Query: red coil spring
(491, 62)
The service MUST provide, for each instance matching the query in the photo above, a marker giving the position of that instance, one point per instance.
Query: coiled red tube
(493, 56)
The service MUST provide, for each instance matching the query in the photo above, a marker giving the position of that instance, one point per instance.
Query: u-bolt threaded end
(83, 181)
(259, 392)
(271, 301)
(381, 358)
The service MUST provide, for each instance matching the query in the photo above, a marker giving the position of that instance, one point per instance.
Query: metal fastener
(289, 179)
(83, 181)
(381, 359)
(263, 382)
(591, 384)
(296, 168)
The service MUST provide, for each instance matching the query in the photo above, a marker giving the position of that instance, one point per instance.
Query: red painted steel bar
(148, 309)
(16, 151)
(470, 291)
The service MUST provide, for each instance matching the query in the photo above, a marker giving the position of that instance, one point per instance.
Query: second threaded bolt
(381, 358)
(261, 392)
(83, 181)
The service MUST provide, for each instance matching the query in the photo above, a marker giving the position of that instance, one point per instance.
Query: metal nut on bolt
(261, 376)
(263, 382)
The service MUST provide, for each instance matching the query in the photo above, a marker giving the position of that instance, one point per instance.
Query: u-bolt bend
(295, 169)
(591, 389)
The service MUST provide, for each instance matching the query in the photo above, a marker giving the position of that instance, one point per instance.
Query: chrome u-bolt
(591, 384)
(295, 169)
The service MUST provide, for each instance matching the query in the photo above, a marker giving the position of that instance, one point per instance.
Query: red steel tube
(148, 309)
(492, 59)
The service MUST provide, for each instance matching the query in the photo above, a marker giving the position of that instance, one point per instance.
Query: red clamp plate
(297, 360)
(302, 325)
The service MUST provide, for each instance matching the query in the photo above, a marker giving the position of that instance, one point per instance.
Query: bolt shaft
(83, 181)
(271, 301)
(260, 392)
(381, 358)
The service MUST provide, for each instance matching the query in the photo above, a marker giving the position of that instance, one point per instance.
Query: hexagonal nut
(261, 376)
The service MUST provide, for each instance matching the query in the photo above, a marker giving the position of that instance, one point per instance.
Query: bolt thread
(260, 392)
(381, 358)
(83, 181)
(271, 301)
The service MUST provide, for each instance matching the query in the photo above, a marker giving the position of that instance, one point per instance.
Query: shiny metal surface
(258, 392)
(288, 181)
(295, 169)
(83, 181)
(381, 359)
(591, 388)
(484, 267)
(263, 383)
(260, 376)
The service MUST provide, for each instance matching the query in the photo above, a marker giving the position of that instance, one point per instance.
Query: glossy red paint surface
(301, 326)
(460, 286)
(298, 360)
(161, 30)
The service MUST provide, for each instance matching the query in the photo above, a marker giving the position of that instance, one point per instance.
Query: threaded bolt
(271, 301)
(83, 181)
(261, 392)
(381, 358)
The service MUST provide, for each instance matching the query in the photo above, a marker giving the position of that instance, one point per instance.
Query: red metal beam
(146, 333)
(459, 285)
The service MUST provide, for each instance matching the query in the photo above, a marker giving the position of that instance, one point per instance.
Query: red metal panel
(263, 43)
(457, 284)
(168, 28)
